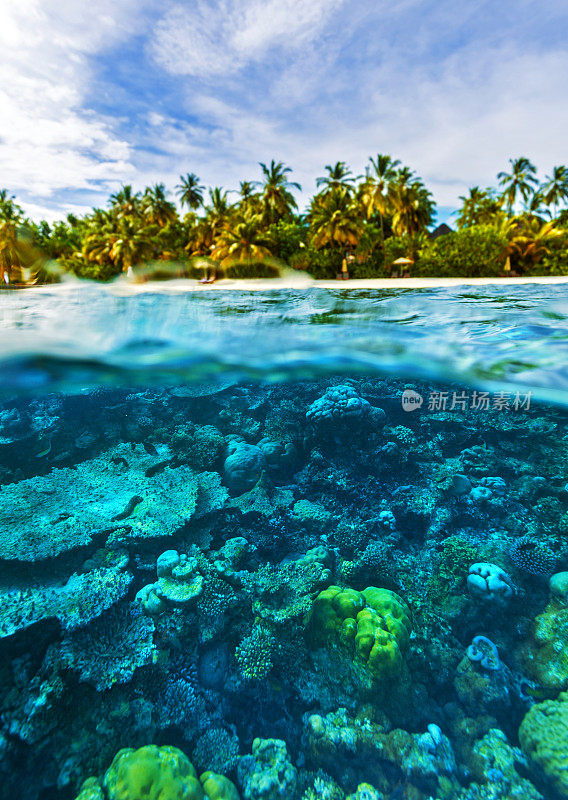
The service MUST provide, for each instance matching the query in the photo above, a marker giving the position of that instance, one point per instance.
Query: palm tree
(10, 211)
(479, 207)
(242, 241)
(129, 245)
(16, 253)
(555, 189)
(96, 248)
(412, 205)
(125, 203)
(204, 233)
(190, 191)
(157, 208)
(534, 239)
(376, 192)
(535, 203)
(246, 190)
(219, 206)
(334, 220)
(338, 175)
(520, 181)
(404, 175)
(277, 200)
(249, 199)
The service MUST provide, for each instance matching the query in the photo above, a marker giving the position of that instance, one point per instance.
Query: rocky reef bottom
(351, 588)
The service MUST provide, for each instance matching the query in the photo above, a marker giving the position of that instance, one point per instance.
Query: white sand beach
(303, 282)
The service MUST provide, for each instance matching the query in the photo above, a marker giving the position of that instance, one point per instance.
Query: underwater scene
(284, 545)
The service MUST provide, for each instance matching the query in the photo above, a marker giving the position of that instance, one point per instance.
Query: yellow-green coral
(543, 735)
(217, 787)
(155, 773)
(161, 773)
(373, 624)
(545, 656)
(90, 790)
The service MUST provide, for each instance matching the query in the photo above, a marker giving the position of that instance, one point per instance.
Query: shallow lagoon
(305, 537)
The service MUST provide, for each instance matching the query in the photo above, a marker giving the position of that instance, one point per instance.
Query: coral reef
(313, 597)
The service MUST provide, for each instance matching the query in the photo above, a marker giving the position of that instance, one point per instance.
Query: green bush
(286, 238)
(252, 269)
(468, 253)
(554, 264)
(321, 264)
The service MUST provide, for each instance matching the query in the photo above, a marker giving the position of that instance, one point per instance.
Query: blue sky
(139, 91)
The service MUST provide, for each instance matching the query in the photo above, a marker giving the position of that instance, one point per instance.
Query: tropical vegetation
(359, 223)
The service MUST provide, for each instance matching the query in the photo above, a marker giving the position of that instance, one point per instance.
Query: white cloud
(48, 140)
(53, 213)
(286, 23)
(207, 39)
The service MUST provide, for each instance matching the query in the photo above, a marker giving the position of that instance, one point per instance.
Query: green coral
(156, 773)
(91, 790)
(365, 792)
(543, 735)
(284, 591)
(179, 582)
(548, 511)
(267, 774)
(218, 749)
(217, 787)
(545, 655)
(373, 625)
(81, 599)
(493, 761)
(201, 446)
(112, 648)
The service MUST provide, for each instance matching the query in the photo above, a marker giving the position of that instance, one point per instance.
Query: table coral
(48, 515)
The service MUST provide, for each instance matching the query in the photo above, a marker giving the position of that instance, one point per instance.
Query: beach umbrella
(402, 263)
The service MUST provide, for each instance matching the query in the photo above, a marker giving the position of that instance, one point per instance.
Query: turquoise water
(315, 540)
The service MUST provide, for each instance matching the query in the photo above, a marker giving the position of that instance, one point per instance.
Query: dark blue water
(283, 544)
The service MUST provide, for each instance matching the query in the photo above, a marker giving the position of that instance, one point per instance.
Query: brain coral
(543, 736)
(373, 625)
